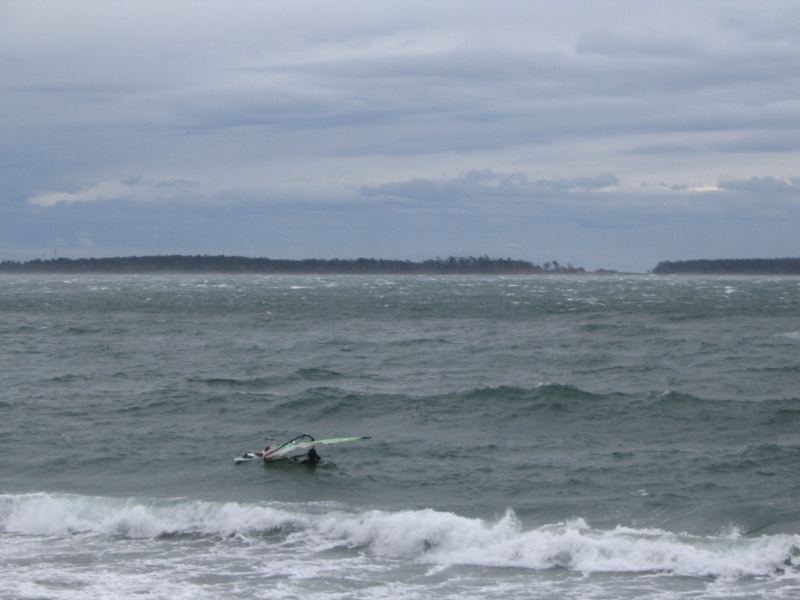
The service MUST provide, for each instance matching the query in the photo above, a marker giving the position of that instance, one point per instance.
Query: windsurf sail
(303, 443)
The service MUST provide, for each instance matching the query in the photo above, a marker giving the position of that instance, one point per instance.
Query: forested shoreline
(730, 266)
(178, 263)
(241, 264)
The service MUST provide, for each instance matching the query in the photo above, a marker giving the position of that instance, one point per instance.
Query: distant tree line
(731, 266)
(241, 264)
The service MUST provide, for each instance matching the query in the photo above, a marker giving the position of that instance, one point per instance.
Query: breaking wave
(63, 514)
(424, 536)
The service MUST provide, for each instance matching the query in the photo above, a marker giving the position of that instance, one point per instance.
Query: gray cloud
(773, 141)
(487, 184)
(665, 148)
(655, 45)
(492, 92)
(598, 201)
(478, 119)
(764, 186)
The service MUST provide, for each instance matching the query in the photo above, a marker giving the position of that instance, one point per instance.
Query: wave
(674, 398)
(423, 341)
(69, 378)
(251, 382)
(425, 536)
(78, 330)
(497, 402)
(519, 401)
(543, 390)
(305, 374)
(785, 415)
(43, 514)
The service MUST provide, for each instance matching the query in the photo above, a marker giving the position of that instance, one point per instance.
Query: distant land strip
(730, 266)
(241, 264)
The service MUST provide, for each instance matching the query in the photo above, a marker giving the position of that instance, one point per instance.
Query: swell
(499, 401)
(768, 457)
(304, 374)
(551, 400)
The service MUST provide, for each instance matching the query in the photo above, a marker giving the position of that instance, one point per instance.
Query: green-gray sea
(532, 437)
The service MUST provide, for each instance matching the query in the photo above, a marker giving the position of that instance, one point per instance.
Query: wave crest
(445, 538)
(426, 536)
(46, 514)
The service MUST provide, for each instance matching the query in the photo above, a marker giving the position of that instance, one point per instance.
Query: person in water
(312, 458)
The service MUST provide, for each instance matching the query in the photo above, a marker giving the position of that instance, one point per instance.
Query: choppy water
(533, 437)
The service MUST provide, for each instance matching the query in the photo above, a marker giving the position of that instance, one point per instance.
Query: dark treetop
(731, 266)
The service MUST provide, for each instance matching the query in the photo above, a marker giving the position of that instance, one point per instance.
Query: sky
(603, 134)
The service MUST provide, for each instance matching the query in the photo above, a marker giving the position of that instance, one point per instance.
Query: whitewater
(532, 437)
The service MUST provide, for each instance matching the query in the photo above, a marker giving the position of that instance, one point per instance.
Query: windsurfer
(312, 458)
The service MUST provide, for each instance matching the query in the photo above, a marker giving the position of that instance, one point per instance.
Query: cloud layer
(454, 128)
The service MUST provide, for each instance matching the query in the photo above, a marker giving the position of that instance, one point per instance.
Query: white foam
(416, 536)
(46, 514)
(445, 538)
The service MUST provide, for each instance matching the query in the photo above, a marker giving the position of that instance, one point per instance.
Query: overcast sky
(602, 134)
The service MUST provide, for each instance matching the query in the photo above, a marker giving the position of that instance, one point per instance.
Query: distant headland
(730, 266)
(240, 264)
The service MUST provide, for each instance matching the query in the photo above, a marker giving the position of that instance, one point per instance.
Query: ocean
(549, 437)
